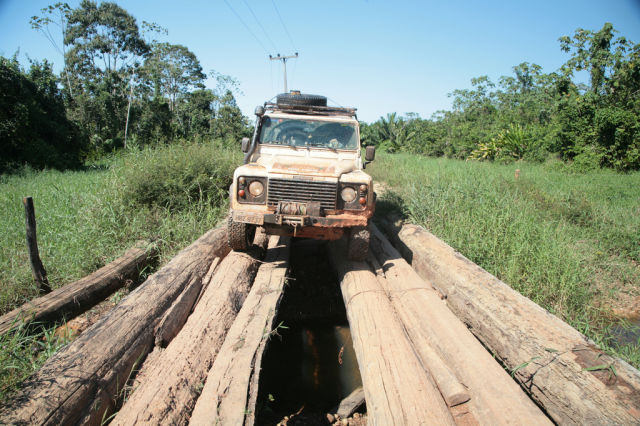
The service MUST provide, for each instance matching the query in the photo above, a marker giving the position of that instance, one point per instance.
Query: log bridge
(438, 340)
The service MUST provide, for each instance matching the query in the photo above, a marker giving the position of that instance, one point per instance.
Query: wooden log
(75, 298)
(37, 268)
(440, 339)
(563, 371)
(230, 391)
(175, 317)
(351, 403)
(176, 376)
(397, 388)
(82, 382)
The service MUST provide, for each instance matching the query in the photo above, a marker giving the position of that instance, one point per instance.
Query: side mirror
(370, 153)
(246, 143)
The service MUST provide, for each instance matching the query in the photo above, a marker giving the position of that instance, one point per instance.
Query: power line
(260, 25)
(283, 25)
(247, 27)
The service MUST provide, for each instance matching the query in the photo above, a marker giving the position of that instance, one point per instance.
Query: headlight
(256, 188)
(251, 189)
(348, 194)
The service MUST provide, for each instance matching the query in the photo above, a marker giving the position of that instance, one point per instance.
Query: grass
(23, 352)
(568, 241)
(85, 219)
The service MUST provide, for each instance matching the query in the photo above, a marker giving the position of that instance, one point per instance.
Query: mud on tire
(240, 234)
(358, 244)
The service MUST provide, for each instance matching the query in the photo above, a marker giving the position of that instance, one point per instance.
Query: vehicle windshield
(308, 133)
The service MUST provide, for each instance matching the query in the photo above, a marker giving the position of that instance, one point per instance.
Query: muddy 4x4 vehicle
(303, 175)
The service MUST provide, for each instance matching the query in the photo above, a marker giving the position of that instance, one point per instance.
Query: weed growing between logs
(24, 351)
(170, 195)
(568, 241)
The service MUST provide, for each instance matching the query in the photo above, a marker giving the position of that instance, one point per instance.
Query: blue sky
(378, 56)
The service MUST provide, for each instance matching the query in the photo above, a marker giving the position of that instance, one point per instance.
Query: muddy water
(628, 334)
(310, 366)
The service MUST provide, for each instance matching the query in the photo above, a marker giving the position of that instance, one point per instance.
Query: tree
(57, 15)
(104, 39)
(597, 52)
(173, 70)
(229, 124)
(601, 126)
(105, 48)
(195, 113)
(34, 129)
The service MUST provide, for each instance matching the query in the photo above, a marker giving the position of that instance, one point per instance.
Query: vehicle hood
(308, 166)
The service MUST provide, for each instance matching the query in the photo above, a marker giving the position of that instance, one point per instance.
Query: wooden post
(39, 273)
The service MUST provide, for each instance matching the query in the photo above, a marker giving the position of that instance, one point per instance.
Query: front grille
(302, 191)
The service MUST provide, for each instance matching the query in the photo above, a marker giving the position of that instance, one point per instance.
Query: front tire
(358, 246)
(240, 234)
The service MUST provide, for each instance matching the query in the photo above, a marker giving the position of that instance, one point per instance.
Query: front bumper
(343, 220)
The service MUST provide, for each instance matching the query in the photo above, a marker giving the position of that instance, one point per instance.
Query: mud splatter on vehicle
(303, 175)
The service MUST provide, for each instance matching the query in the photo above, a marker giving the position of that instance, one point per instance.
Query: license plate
(254, 219)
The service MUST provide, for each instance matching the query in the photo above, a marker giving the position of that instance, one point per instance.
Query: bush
(34, 128)
(588, 160)
(178, 176)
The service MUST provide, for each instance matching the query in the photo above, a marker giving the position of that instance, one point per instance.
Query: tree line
(118, 86)
(531, 115)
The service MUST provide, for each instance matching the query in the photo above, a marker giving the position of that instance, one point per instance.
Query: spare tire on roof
(298, 98)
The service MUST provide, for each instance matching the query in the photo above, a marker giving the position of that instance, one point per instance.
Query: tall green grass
(85, 219)
(568, 241)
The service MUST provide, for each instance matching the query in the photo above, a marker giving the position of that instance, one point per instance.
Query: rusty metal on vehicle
(302, 191)
(303, 173)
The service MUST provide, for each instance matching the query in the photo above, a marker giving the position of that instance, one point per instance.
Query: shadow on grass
(391, 206)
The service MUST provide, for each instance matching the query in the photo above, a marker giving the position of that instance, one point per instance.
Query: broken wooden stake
(351, 403)
(37, 269)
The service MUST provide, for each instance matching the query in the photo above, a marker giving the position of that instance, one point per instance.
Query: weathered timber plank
(398, 389)
(175, 317)
(351, 403)
(76, 297)
(439, 337)
(549, 357)
(175, 377)
(81, 382)
(229, 394)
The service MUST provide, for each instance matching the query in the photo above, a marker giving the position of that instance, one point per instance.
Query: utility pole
(284, 63)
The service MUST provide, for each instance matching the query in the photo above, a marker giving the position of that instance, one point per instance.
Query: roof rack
(311, 109)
